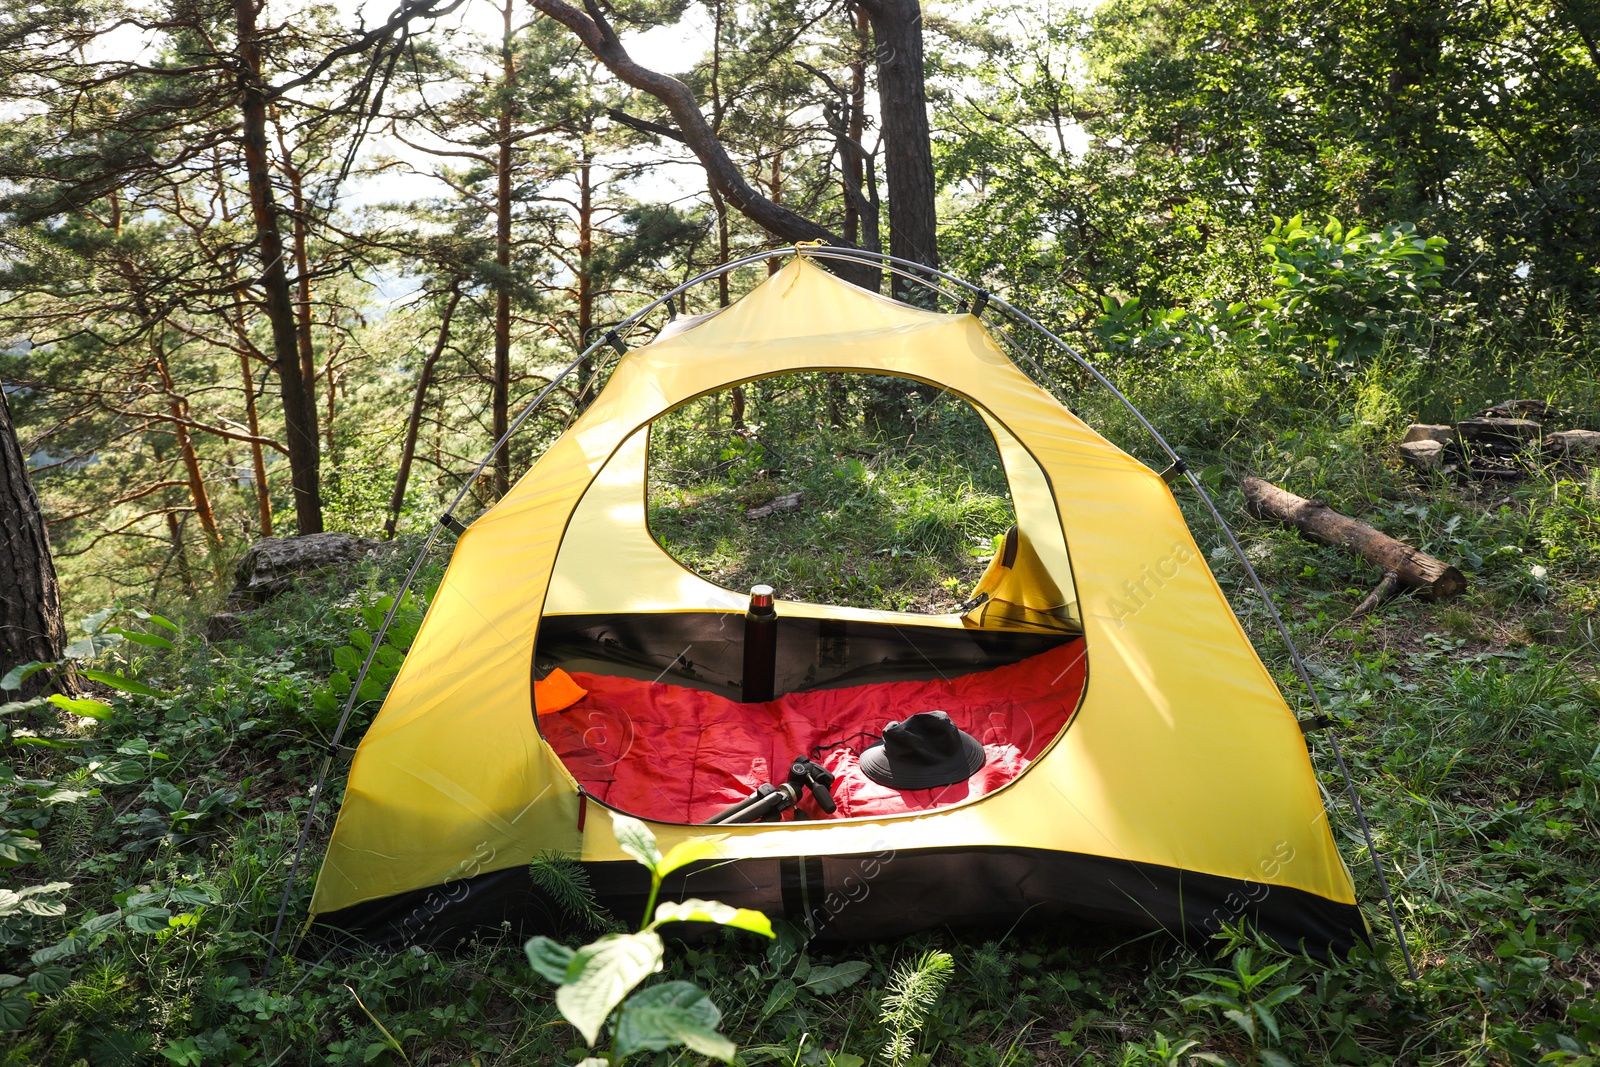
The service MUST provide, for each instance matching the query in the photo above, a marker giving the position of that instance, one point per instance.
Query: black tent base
(874, 897)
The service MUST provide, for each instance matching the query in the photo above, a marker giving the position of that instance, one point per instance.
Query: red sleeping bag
(673, 754)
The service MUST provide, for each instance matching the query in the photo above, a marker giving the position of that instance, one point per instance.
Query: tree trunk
(258, 460)
(302, 270)
(180, 553)
(855, 125)
(331, 373)
(724, 293)
(1318, 522)
(30, 600)
(501, 401)
(409, 450)
(178, 406)
(775, 183)
(299, 415)
(586, 382)
(903, 117)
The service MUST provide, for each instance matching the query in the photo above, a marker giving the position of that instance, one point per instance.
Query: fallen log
(1316, 521)
(1498, 433)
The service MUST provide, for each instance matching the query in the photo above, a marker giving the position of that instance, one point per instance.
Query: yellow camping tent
(1180, 794)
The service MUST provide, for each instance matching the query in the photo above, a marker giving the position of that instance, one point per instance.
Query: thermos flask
(760, 646)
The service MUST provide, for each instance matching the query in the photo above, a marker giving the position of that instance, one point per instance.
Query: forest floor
(161, 824)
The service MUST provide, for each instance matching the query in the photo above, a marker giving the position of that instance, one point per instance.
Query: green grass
(1470, 727)
(903, 516)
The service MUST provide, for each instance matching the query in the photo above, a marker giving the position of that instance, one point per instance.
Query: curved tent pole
(912, 271)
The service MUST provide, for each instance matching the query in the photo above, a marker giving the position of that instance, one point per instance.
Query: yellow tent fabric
(1017, 587)
(1183, 753)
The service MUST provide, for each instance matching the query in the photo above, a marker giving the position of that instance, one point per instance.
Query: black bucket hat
(925, 751)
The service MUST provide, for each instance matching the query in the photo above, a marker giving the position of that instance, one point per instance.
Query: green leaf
(97, 925)
(91, 623)
(147, 640)
(59, 950)
(90, 647)
(686, 852)
(635, 838)
(1279, 996)
(16, 707)
(601, 974)
(673, 1013)
(782, 995)
(66, 796)
(846, 1059)
(14, 1011)
(45, 907)
(118, 772)
(549, 958)
(16, 850)
(17, 675)
(711, 911)
(1274, 1059)
(192, 895)
(49, 980)
(28, 737)
(347, 659)
(147, 920)
(166, 794)
(185, 1052)
(122, 682)
(1211, 1000)
(89, 709)
(1268, 1020)
(828, 980)
(148, 616)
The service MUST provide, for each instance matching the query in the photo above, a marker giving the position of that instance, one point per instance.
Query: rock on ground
(1424, 455)
(273, 564)
(1422, 431)
(1574, 442)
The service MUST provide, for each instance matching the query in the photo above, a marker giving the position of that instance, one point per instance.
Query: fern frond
(913, 990)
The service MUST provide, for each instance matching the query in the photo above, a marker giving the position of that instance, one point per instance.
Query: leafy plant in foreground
(1246, 999)
(593, 980)
(328, 700)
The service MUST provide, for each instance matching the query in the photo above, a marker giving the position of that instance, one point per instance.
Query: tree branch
(408, 10)
(645, 125)
(600, 39)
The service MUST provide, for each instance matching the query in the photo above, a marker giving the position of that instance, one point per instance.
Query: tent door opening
(661, 733)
